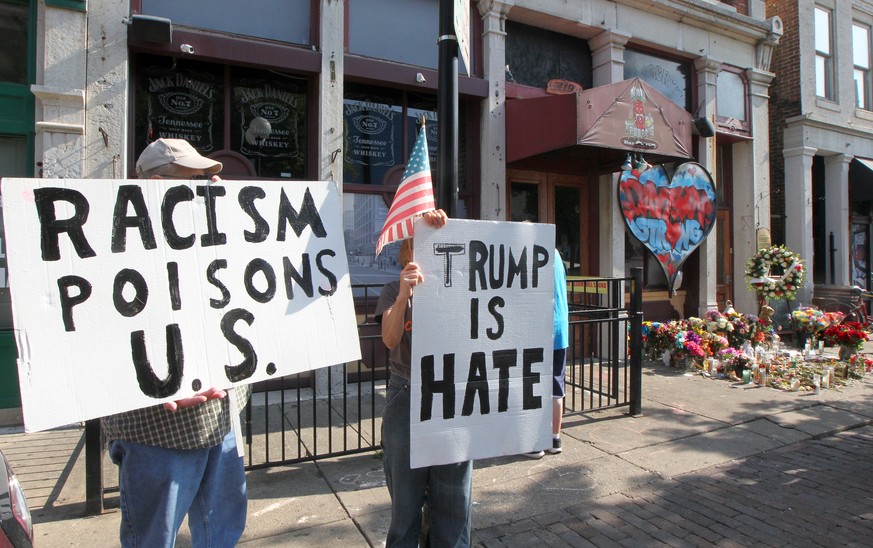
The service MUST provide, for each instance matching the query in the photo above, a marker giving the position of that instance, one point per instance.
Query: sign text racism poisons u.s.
(162, 288)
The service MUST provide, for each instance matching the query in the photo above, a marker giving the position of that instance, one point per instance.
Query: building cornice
(712, 17)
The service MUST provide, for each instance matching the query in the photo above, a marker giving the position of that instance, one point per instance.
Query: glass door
(542, 197)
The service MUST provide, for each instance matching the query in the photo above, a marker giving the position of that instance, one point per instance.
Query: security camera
(186, 48)
(419, 77)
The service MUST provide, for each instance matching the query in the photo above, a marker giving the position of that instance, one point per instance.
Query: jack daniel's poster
(180, 106)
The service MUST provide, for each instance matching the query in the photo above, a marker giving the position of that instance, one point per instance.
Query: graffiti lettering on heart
(670, 216)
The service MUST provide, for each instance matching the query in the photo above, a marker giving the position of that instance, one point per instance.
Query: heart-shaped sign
(671, 217)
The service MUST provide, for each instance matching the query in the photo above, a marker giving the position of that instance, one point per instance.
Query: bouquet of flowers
(716, 322)
(687, 343)
(812, 320)
(808, 320)
(734, 361)
(848, 334)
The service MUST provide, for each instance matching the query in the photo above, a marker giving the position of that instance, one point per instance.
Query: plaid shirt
(196, 427)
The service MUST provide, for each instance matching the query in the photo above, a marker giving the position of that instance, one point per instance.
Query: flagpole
(447, 111)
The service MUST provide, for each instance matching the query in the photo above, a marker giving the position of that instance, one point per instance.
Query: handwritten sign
(130, 293)
(482, 341)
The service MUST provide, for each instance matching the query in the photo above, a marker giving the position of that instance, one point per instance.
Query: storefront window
(265, 130)
(183, 100)
(268, 122)
(669, 77)
(636, 255)
(860, 256)
(13, 54)
(284, 20)
(379, 132)
(372, 134)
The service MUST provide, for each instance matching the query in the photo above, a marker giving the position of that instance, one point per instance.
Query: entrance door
(725, 269)
(559, 199)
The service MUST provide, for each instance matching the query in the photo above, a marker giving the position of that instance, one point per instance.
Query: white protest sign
(128, 293)
(482, 341)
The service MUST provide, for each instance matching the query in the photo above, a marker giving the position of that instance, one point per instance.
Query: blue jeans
(448, 487)
(159, 486)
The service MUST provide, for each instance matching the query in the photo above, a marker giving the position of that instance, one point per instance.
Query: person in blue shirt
(559, 356)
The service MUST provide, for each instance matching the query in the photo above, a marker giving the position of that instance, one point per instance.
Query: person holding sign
(559, 354)
(179, 458)
(446, 488)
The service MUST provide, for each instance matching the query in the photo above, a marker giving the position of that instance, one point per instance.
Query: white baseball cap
(174, 151)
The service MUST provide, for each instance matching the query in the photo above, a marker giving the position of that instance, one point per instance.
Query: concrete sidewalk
(708, 462)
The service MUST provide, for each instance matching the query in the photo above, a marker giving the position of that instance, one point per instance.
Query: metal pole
(447, 111)
(833, 254)
(636, 346)
(93, 468)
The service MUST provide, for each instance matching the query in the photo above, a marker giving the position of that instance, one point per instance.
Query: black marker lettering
(51, 226)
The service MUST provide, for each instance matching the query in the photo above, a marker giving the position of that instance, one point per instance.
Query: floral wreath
(768, 286)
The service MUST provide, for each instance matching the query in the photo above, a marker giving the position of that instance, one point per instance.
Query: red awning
(628, 116)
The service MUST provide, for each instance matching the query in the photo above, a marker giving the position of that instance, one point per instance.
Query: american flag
(414, 196)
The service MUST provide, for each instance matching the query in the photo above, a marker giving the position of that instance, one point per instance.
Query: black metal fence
(337, 410)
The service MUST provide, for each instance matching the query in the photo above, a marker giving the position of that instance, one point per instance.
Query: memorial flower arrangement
(716, 322)
(688, 343)
(849, 334)
(763, 273)
(811, 320)
(734, 361)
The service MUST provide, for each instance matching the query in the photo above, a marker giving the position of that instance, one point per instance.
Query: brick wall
(785, 102)
(742, 6)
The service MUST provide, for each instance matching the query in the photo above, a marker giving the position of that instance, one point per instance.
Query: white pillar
(798, 210)
(493, 140)
(60, 98)
(707, 72)
(330, 131)
(330, 84)
(751, 196)
(837, 217)
(607, 56)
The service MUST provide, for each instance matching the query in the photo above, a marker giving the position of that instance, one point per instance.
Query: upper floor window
(861, 60)
(732, 101)
(13, 55)
(282, 20)
(404, 31)
(824, 59)
(672, 78)
(534, 56)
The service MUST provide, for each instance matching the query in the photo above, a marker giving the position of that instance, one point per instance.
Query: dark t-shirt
(400, 356)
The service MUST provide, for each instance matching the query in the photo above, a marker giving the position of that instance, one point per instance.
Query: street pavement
(709, 462)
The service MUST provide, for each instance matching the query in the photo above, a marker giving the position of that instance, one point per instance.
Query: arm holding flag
(410, 276)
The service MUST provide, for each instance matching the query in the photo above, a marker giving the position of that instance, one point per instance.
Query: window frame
(865, 102)
(732, 125)
(827, 57)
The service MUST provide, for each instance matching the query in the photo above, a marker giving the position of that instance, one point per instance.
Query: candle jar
(747, 376)
(816, 383)
(825, 378)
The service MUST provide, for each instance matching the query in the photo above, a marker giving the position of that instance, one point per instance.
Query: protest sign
(128, 293)
(482, 341)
